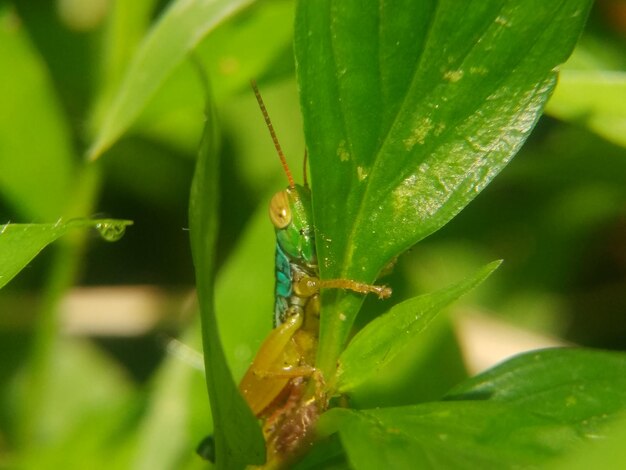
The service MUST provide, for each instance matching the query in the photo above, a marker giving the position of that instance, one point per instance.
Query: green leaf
(608, 452)
(172, 115)
(126, 24)
(411, 378)
(35, 144)
(580, 387)
(463, 435)
(238, 438)
(376, 345)
(20, 243)
(529, 410)
(239, 300)
(410, 109)
(596, 99)
(175, 34)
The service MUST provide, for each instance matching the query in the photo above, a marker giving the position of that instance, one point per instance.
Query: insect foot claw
(384, 292)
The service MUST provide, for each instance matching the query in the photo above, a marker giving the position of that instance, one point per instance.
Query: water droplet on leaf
(111, 231)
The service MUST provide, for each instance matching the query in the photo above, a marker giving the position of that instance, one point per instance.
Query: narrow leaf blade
(238, 438)
(20, 243)
(176, 33)
(385, 337)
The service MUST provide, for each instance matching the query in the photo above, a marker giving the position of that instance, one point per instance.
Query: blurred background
(89, 371)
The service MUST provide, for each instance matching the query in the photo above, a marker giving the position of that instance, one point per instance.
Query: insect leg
(260, 391)
(382, 292)
(307, 285)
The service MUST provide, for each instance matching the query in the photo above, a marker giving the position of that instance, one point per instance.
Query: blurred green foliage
(556, 215)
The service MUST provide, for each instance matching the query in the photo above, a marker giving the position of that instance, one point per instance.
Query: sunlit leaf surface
(410, 109)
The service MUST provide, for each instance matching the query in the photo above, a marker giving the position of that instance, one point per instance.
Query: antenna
(266, 116)
(306, 183)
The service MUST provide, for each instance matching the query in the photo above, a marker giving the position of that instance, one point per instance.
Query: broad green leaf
(35, 145)
(461, 435)
(410, 109)
(525, 412)
(596, 99)
(376, 345)
(238, 438)
(173, 36)
(20, 243)
(580, 387)
(608, 452)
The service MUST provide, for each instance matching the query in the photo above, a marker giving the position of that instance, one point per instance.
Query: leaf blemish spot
(419, 133)
(439, 128)
(342, 152)
(478, 70)
(501, 20)
(453, 76)
(361, 173)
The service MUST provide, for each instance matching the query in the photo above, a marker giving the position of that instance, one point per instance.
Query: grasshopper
(275, 383)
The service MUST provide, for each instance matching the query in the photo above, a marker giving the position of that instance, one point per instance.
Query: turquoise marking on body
(283, 287)
(283, 284)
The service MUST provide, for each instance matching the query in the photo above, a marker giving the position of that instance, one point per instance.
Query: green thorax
(297, 239)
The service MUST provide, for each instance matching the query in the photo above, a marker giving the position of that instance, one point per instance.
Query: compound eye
(280, 212)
